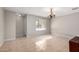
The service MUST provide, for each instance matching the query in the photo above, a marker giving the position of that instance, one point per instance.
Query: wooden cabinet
(74, 44)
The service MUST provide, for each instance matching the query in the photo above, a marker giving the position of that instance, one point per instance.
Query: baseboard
(63, 35)
(10, 39)
(1, 43)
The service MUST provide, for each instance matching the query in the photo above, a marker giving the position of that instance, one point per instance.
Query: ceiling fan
(75, 8)
(51, 13)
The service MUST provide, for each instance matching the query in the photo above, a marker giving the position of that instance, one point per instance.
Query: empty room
(39, 29)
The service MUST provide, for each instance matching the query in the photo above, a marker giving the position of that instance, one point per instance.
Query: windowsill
(40, 29)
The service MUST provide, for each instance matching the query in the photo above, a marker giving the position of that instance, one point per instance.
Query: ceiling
(42, 11)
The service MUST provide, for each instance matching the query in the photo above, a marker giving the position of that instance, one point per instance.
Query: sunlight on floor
(41, 44)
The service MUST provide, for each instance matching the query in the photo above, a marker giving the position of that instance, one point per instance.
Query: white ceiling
(42, 11)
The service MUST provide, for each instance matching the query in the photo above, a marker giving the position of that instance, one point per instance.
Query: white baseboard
(10, 39)
(63, 35)
(1, 43)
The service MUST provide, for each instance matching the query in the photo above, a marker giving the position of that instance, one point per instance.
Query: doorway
(19, 26)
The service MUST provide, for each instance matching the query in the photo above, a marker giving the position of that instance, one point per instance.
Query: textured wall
(1, 26)
(10, 25)
(66, 25)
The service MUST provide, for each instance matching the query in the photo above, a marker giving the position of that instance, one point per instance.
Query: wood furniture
(74, 44)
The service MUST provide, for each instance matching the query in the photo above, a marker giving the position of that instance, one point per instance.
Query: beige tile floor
(45, 43)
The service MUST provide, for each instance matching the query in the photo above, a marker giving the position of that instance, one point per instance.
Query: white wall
(25, 25)
(20, 26)
(1, 26)
(10, 25)
(31, 26)
(66, 25)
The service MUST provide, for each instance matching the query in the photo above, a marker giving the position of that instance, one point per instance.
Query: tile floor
(45, 43)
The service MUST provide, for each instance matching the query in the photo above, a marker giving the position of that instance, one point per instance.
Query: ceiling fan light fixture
(52, 16)
(52, 13)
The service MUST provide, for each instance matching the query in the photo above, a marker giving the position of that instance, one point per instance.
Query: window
(40, 24)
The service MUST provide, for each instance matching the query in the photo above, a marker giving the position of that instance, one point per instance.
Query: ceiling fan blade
(75, 8)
